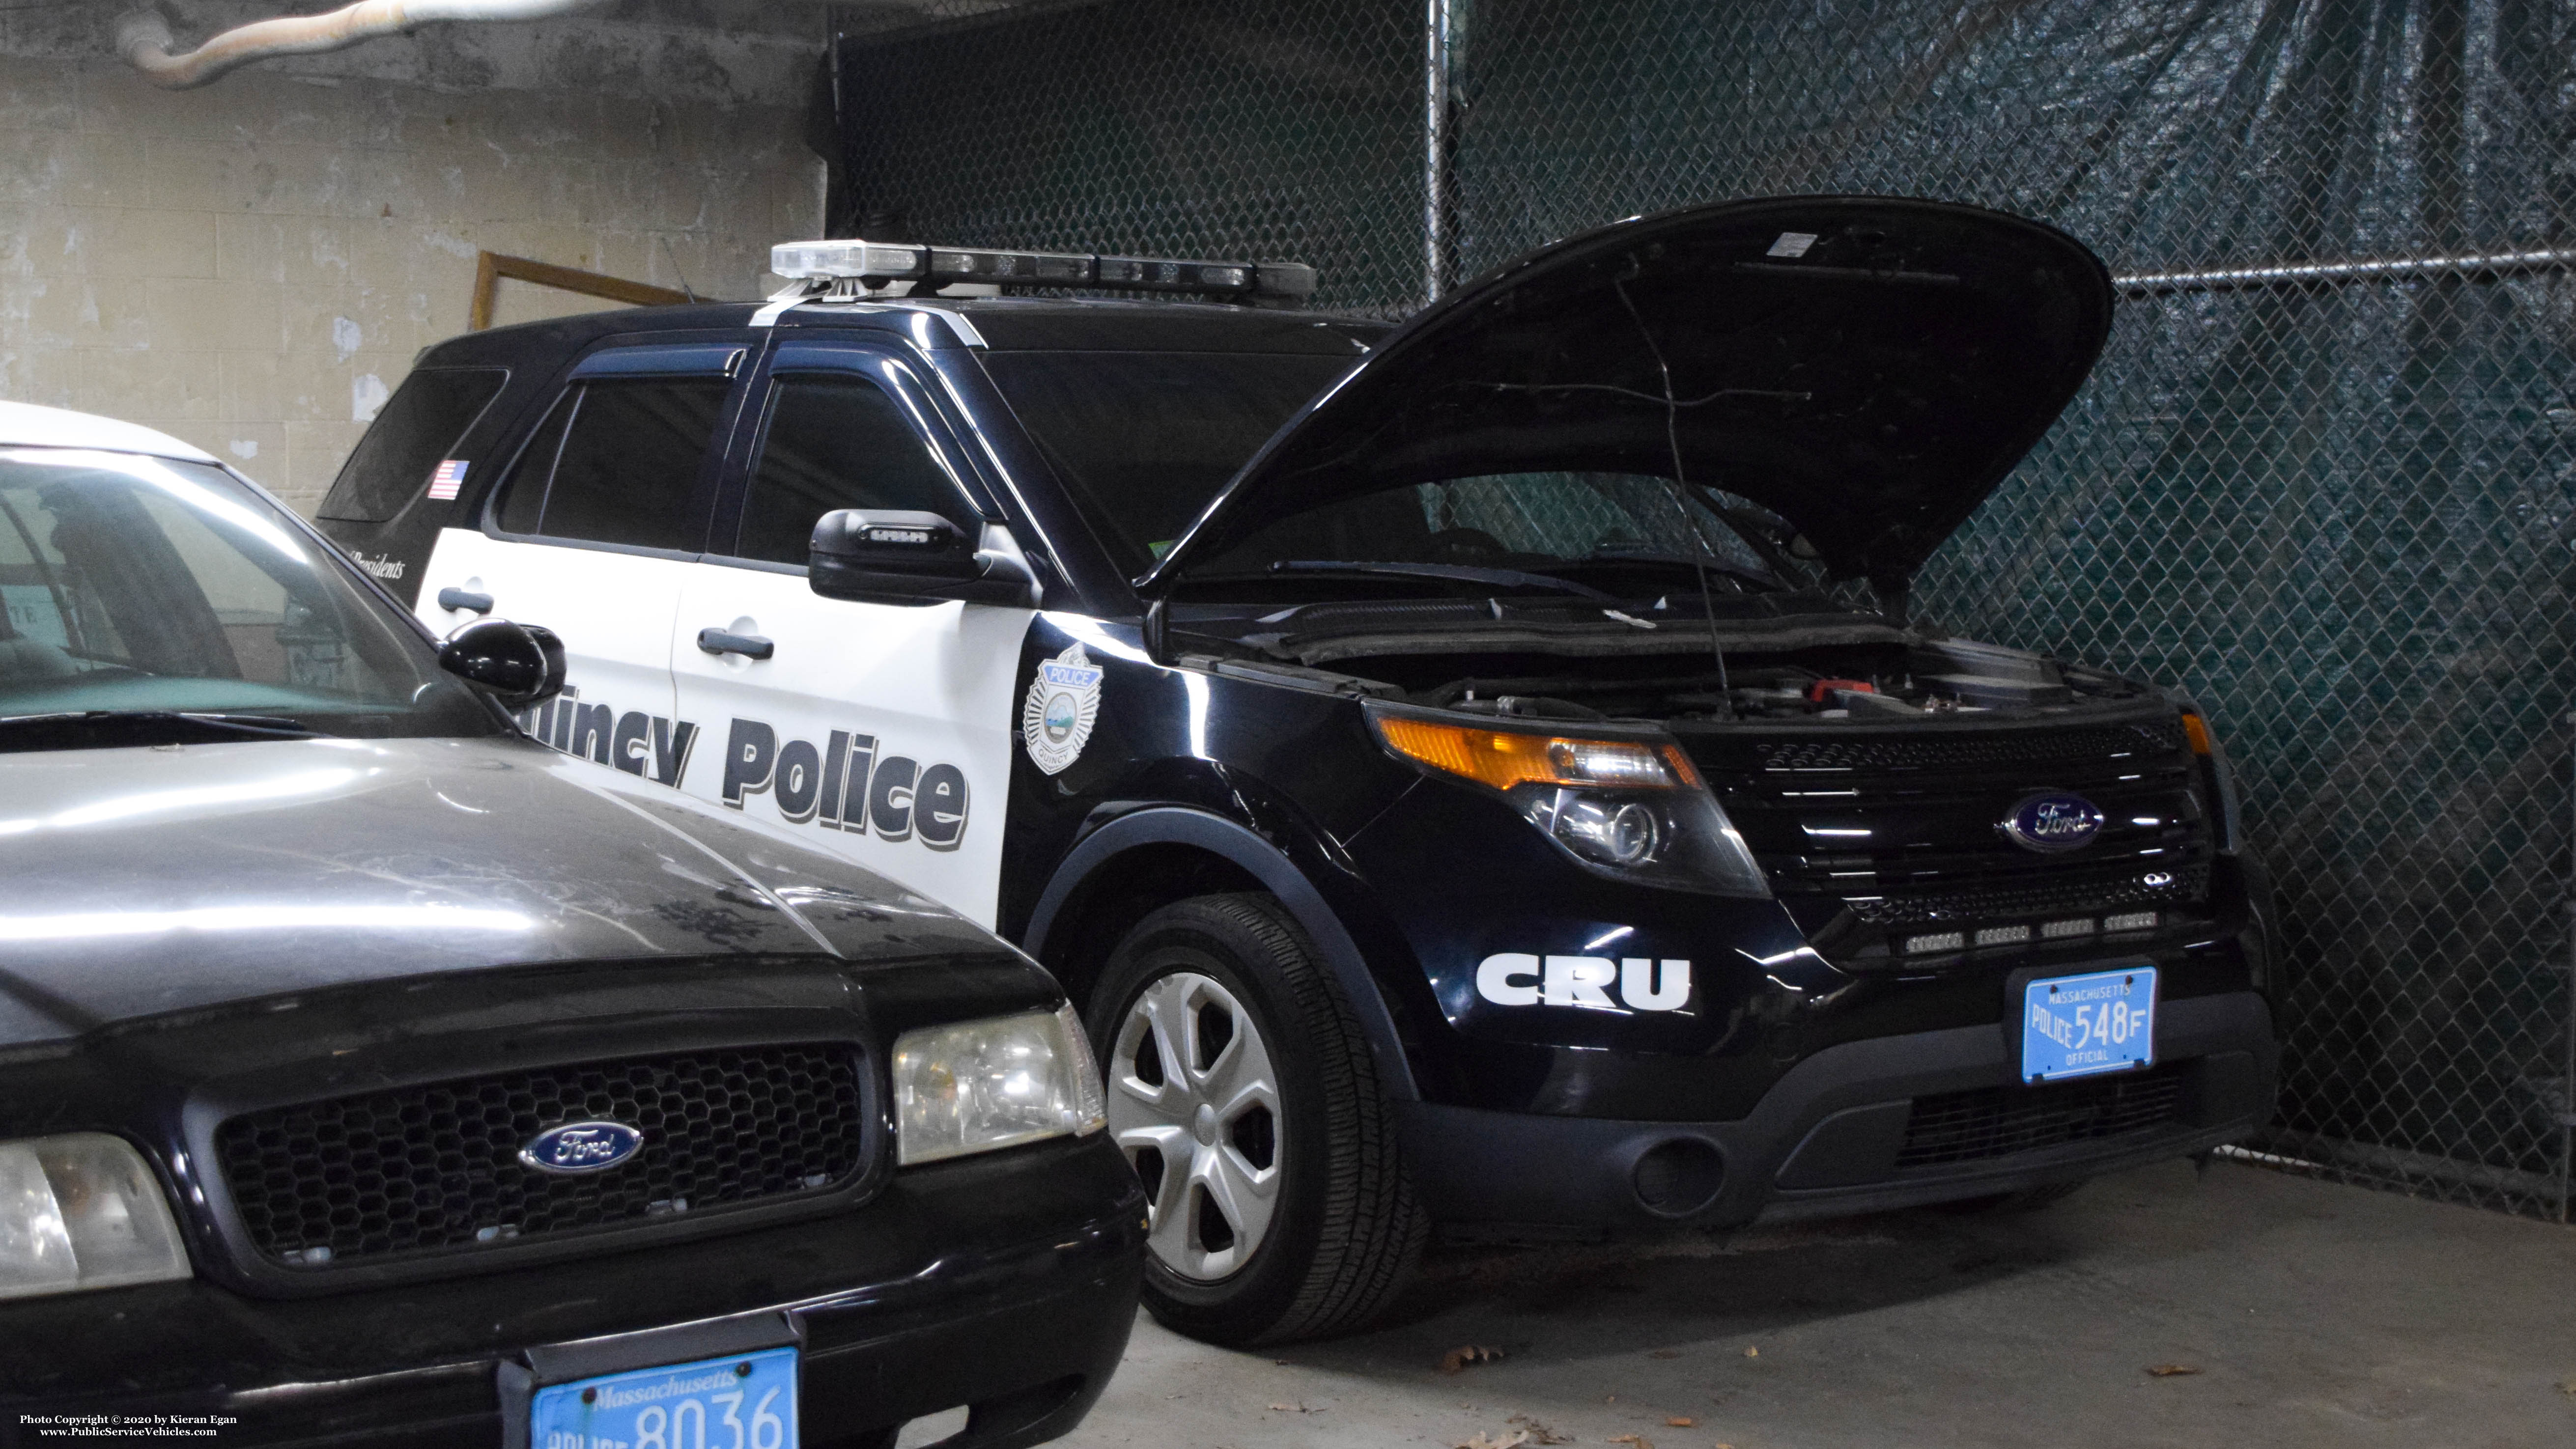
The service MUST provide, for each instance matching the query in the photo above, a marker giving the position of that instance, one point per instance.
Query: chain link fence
(2321, 478)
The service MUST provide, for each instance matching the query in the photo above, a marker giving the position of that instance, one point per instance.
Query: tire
(1290, 1217)
(2006, 1204)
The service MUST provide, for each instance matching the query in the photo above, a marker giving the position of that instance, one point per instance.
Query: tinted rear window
(417, 431)
(626, 469)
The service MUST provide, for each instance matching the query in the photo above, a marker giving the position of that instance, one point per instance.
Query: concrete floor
(2315, 1314)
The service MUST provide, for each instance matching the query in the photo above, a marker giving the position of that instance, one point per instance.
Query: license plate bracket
(2086, 1024)
(541, 1387)
(746, 1398)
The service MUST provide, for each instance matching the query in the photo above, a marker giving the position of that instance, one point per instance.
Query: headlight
(979, 1085)
(82, 1211)
(1630, 809)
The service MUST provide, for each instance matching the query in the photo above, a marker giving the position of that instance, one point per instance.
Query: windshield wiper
(1683, 560)
(262, 726)
(1461, 573)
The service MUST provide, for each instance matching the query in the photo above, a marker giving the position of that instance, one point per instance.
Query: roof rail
(876, 264)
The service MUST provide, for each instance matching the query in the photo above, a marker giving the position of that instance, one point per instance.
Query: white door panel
(885, 730)
(614, 612)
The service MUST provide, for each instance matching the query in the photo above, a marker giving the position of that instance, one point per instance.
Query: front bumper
(1828, 1137)
(1005, 1282)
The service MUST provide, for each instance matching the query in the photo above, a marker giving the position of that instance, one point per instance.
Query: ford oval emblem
(2053, 821)
(582, 1147)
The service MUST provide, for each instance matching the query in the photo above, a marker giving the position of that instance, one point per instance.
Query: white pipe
(144, 40)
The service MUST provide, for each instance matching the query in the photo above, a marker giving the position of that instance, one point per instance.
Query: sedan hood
(140, 882)
(1868, 368)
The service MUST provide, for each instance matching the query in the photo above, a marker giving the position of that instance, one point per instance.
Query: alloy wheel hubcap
(1194, 1104)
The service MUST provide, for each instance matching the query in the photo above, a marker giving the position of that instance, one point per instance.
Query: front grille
(367, 1178)
(1929, 751)
(1873, 836)
(2187, 886)
(2000, 1121)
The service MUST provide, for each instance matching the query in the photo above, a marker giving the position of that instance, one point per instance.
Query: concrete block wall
(251, 266)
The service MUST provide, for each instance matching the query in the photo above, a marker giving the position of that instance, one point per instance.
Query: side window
(523, 493)
(837, 441)
(618, 461)
(416, 431)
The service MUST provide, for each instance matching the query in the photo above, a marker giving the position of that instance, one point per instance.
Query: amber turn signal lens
(2194, 730)
(1504, 758)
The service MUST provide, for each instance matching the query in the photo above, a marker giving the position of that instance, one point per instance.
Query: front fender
(1278, 873)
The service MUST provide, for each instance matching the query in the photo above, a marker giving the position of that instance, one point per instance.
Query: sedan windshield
(148, 598)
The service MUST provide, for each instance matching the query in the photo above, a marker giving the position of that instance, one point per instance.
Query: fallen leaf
(1751, 1352)
(1479, 1441)
(2172, 1370)
(1665, 1353)
(1679, 1421)
(1640, 1440)
(2567, 1386)
(1293, 1409)
(1458, 1358)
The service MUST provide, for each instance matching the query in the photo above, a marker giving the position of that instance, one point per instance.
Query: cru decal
(847, 784)
(633, 741)
(1645, 984)
(1063, 702)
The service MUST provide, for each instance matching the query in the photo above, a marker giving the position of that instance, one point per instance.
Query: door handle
(749, 646)
(460, 599)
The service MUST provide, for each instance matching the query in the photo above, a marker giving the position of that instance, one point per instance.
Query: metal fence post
(1438, 112)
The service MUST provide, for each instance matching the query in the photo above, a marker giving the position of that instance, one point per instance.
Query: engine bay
(1819, 666)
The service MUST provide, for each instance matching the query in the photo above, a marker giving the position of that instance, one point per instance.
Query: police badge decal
(1064, 699)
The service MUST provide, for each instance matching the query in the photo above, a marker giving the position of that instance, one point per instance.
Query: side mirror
(517, 664)
(884, 556)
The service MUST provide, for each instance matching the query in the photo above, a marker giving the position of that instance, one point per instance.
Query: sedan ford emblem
(581, 1147)
(2053, 821)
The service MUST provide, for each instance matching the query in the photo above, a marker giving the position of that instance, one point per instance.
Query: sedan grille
(368, 1178)
(1999, 1121)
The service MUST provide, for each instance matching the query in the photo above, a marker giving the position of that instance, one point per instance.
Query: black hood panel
(144, 882)
(1869, 368)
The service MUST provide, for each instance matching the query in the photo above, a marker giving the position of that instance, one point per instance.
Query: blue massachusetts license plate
(2074, 1026)
(742, 1401)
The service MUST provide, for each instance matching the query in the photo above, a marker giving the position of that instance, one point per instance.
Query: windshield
(137, 586)
(1510, 520)
(1144, 440)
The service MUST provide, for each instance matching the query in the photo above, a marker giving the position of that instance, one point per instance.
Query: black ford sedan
(372, 1074)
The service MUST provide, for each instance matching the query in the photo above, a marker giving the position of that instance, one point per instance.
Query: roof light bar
(878, 263)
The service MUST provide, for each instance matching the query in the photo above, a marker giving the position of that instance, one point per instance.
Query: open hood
(1869, 368)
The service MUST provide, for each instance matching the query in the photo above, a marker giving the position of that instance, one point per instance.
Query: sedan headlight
(1630, 809)
(979, 1085)
(82, 1211)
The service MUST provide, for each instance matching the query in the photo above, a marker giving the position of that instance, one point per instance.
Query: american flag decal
(446, 478)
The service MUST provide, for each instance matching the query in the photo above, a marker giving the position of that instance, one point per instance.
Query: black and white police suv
(371, 1074)
(1435, 756)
